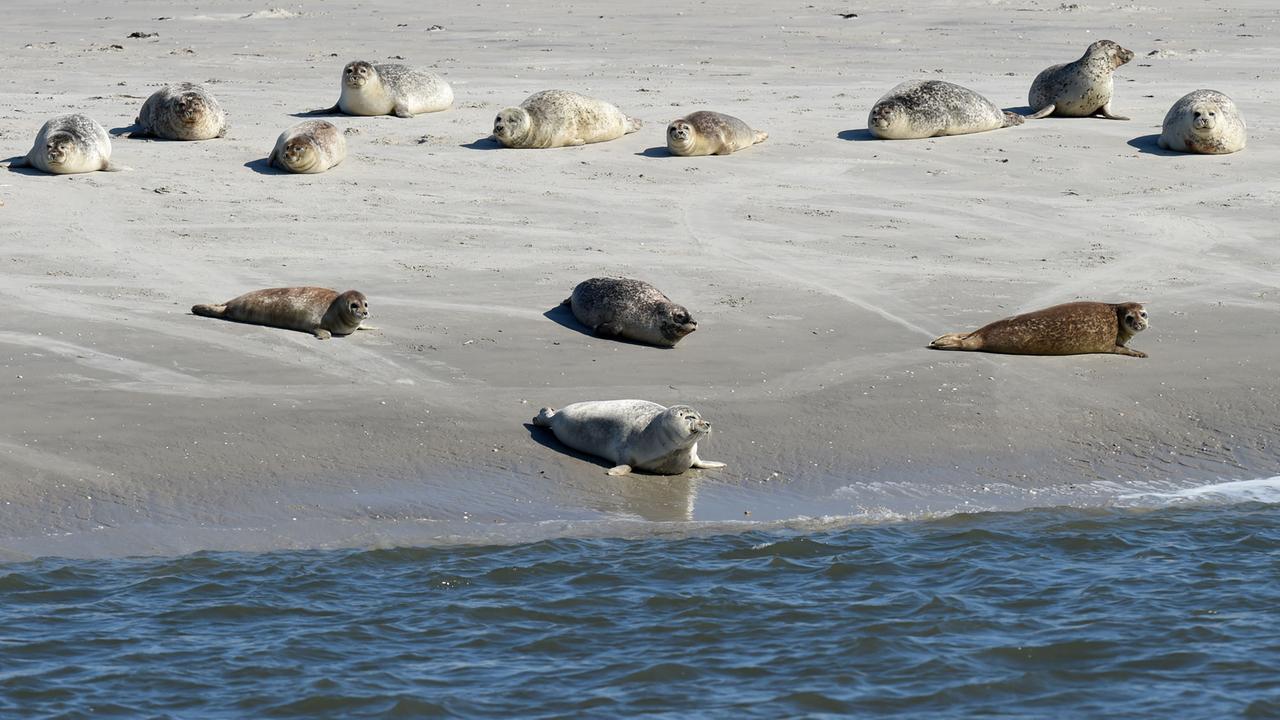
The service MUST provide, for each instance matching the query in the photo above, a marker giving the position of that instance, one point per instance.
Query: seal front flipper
(1122, 350)
(620, 470)
(400, 110)
(1105, 111)
(321, 333)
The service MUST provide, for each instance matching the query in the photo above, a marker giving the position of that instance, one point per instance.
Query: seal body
(319, 311)
(391, 89)
(710, 133)
(929, 108)
(1082, 88)
(632, 434)
(1203, 121)
(69, 144)
(181, 112)
(631, 309)
(558, 118)
(1068, 329)
(311, 146)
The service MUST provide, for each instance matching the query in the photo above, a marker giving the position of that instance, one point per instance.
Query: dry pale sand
(818, 263)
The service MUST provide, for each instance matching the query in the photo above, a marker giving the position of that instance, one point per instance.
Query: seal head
(511, 126)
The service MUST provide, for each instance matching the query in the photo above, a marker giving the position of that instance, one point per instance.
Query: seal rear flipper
(1012, 118)
(1045, 111)
(213, 311)
(633, 124)
(953, 341)
(761, 136)
(620, 470)
(706, 464)
(544, 417)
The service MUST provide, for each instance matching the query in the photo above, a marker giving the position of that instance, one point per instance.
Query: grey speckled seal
(390, 89)
(929, 108)
(319, 311)
(631, 309)
(1203, 121)
(69, 144)
(710, 133)
(311, 146)
(634, 434)
(181, 112)
(560, 118)
(1082, 88)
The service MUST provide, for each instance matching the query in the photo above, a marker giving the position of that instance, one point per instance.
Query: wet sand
(819, 264)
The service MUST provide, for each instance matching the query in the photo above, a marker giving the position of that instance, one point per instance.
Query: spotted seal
(631, 309)
(633, 434)
(710, 133)
(1068, 329)
(559, 118)
(930, 108)
(1203, 121)
(319, 311)
(185, 111)
(69, 144)
(312, 146)
(1082, 88)
(390, 89)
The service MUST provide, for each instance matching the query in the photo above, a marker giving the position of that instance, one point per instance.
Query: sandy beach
(819, 264)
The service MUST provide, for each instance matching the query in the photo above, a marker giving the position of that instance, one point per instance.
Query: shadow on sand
(1149, 145)
(485, 143)
(659, 151)
(263, 166)
(856, 135)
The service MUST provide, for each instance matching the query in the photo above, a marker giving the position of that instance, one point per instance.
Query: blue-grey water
(1172, 611)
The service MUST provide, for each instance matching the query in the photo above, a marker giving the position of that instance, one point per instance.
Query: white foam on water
(1263, 490)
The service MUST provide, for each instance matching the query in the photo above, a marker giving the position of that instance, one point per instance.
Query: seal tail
(633, 124)
(955, 341)
(1012, 118)
(544, 417)
(1045, 111)
(213, 311)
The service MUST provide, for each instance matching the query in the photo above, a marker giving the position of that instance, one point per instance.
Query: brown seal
(319, 311)
(1068, 329)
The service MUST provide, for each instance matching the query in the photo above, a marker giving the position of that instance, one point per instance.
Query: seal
(181, 112)
(634, 434)
(312, 146)
(710, 133)
(1082, 88)
(930, 108)
(319, 311)
(69, 144)
(1068, 329)
(390, 89)
(559, 118)
(631, 309)
(1203, 121)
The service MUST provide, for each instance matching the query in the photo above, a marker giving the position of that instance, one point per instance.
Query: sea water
(1167, 606)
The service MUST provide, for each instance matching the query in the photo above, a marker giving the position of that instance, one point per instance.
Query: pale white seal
(1203, 121)
(1082, 88)
(311, 146)
(710, 133)
(69, 144)
(391, 89)
(633, 434)
(929, 108)
(558, 118)
(181, 112)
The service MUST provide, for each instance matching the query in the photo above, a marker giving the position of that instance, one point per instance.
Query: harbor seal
(710, 133)
(181, 112)
(930, 108)
(1203, 121)
(1068, 329)
(319, 311)
(634, 434)
(312, 146)
(69, 144)
(390, 89)
(631, 309)
(559, 118)
(1082, 88)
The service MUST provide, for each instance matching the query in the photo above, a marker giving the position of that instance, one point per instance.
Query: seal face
(311, 146)
(710, 133)
(1203, 121)
(1068, 329)
(559, 118)
(391, 89)
(632, 434)
(631, 309)
(69, 144)
(1082, 88)
(930, 108)
(181, 112)
(319, 311)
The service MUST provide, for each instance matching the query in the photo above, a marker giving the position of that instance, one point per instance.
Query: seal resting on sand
(1205, 122)
(631, 309)
(1068, 329)
(319, 311)
(559, 118)
(633, 434)
(710, 133)
(929, 108)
